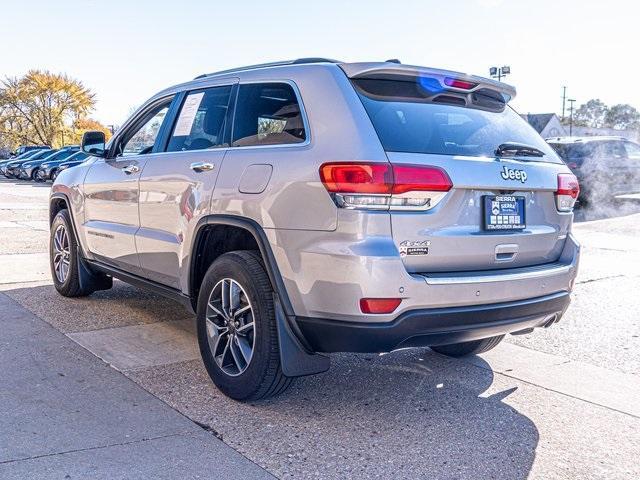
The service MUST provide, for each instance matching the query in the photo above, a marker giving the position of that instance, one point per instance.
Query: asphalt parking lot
(558, 403)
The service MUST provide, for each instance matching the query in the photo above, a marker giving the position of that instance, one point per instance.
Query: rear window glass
(267, 114)
(413, 124)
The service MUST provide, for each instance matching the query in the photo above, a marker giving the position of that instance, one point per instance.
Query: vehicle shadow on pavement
(408, 414)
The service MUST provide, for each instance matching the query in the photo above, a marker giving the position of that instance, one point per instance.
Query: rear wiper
(511, 149)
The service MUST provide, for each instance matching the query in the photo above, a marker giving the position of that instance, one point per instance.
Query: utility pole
(564, 99)
(571, 101)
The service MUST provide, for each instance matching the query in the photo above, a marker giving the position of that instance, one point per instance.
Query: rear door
(111, 217)
(176, 185)
(500, 211)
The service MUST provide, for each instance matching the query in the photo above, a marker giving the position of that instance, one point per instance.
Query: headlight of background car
(63, 167)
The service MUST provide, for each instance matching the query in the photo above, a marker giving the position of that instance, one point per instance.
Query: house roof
(538, 120)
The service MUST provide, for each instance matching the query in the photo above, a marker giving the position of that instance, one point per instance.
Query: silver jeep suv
(314, 206)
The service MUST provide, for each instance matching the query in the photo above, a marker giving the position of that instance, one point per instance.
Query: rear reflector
(457, 83)
(379, 305)
(568, 191)
(382, 185)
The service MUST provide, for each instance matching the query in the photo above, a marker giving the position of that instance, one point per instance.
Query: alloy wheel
(230, 327)
(61, 253)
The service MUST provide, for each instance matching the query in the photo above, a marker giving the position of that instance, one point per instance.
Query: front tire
(64, 259)
(237, 331)
(468, 348)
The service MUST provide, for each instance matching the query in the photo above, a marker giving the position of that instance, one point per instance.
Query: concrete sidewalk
(66, 414)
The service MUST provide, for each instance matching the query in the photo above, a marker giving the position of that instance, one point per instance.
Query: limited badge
(409, 247)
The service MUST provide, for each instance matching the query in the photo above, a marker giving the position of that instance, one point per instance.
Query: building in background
(547, 124)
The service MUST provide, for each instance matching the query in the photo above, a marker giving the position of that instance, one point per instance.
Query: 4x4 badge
(513, 174)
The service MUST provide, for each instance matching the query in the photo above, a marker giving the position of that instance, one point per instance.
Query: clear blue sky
(125, 51)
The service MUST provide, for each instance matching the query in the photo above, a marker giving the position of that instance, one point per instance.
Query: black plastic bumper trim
(438, 326)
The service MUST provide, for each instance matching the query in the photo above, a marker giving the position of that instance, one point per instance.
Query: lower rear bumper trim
(438, 326)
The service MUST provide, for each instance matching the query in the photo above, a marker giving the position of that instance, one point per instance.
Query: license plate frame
(504, 213)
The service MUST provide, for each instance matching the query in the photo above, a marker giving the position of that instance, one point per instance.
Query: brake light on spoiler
(567, 192)
(383, 186)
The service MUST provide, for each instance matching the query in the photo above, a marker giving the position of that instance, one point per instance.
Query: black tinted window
(267, 114)
(574, 152)
(202, 119)
(408, 122)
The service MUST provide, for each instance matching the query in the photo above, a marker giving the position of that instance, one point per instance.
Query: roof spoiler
(449, 80)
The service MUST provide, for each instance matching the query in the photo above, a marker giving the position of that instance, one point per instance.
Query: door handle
(129, 169)
(201, 166)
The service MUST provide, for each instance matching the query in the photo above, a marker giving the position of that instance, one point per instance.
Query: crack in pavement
(97, 447)
(591, 280)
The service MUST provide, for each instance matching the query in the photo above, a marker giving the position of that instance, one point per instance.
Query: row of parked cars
(41, 164)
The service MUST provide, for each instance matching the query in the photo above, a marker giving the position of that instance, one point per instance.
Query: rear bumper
(437, 326)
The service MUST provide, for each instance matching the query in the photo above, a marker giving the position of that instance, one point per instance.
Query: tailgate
(453, 236)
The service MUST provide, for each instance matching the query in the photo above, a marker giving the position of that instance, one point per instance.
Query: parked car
(27, 148)
(414, 208)
(24, 156)
(12, 169)
(49, 170)
(605, 166)
(29, 169)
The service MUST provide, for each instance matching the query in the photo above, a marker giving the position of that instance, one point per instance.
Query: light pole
(571, 102)
(499, 72)
(564, 99)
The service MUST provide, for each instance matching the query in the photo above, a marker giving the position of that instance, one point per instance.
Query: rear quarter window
(267, 114)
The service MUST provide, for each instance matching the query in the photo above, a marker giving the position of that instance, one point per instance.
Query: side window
(141, 139)
(267, 114)
(633, 152)
(201, 122)
(613, 150)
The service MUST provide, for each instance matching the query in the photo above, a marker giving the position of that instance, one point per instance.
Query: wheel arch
(252, 235)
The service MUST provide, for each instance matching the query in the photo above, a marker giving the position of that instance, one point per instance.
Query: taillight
(567, 192)
(382, 186)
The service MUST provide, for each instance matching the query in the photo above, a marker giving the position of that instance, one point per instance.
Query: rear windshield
(416, 125)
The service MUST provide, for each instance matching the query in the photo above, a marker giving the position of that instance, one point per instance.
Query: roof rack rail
(297, 61)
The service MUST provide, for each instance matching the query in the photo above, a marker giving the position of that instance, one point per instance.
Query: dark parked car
(29, 169)
(49, 170)
(12, 169)
(68, 164)
(22, 157)
(27, 148)
(605, 166)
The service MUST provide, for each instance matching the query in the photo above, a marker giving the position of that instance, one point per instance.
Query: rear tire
(468, 348)
(243, 360)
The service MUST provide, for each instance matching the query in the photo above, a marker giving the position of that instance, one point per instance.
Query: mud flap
(91, 281)
(296, 361)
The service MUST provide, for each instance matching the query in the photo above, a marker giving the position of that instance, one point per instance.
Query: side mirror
(93, 143)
